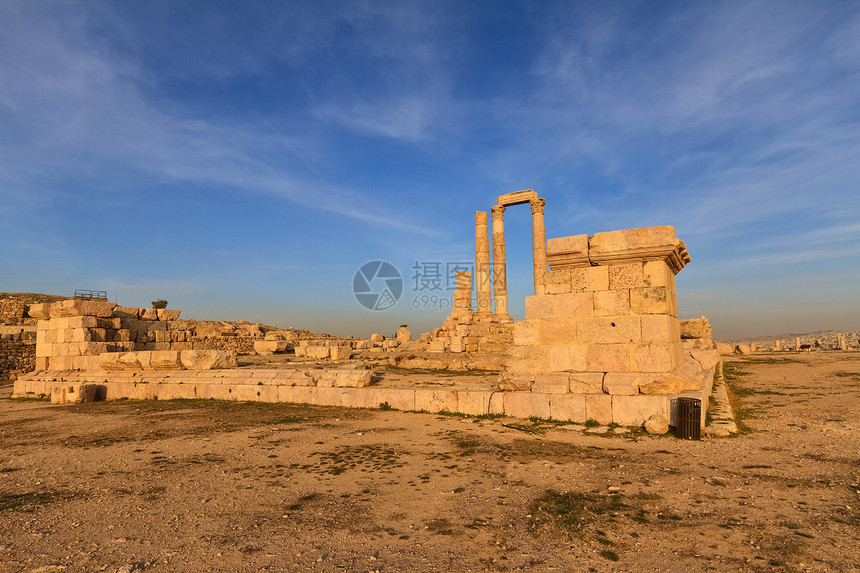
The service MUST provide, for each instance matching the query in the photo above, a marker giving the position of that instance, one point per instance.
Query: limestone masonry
(601, 340)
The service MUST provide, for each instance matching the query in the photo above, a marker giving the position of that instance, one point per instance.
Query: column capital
(498, 212)
(537, 206)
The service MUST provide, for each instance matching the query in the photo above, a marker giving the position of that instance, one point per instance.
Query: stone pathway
(722, 417)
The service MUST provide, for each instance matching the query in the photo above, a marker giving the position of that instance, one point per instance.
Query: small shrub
(160, 303)
(591, 423)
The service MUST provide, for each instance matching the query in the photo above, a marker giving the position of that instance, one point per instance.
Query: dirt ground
(217, 486)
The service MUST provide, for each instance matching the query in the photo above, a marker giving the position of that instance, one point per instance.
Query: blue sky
(243, 160)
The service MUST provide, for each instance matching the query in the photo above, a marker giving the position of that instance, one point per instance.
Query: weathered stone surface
(340, 352)
(148, 314)
(207, 359)
(723, 348)
(626, 276)
(612, 303)
(403, 335)
(706, 358)
(555, 332)
(168, 313)
(623, 383)
(74, 394)
(589, 279)
(551, 383)
(608, 358)
(78, 307)
(526, 404)
(574, 305)
(651, 300)
(743, 349)
(654, 358)
(687, 377)
(353, 378)
(165, 360)
(696, 328)
(608, 330)
(376, 337)
(634, 410)
(642, 244)
(568, 407)
(598, 407)
(270, 346)
(515, 382)
(539, 306)
(586, 382)
(567, 358)
(656, 424)
(566, 252)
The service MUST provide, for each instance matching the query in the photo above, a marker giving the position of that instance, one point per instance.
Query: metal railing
(90, 294)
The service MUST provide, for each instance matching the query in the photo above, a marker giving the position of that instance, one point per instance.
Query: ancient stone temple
(601, 337)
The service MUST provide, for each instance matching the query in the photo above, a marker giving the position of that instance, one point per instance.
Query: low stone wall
(349, 388)
(13, 311)
(237, 344)
(16, 356)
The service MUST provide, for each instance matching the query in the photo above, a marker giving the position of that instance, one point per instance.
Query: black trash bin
(689, 419)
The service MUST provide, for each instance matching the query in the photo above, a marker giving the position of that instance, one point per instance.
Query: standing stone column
(797, 343)
(462, 305)
(500, 268)
(538, 243)
(482, 264)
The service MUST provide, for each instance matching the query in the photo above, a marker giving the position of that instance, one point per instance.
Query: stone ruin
(601, 340)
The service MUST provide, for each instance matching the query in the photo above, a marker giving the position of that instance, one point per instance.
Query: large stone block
(165, 360)
(526, 405)
(626, 276)
(539, 306)
(353, 378)
(586, 382)
(566, 252)
(568, 407)
(612, 303)
(126, 312)
(207, 359)
(516, 381)
(435, 400)
(651, 300)
(73, 394)
(707, 358)
(658, 274)
(589, 279)
(397, 398)
(558, 331)
(598, 407)
(269, 346)
(574, 305)
(607, 358)
(609, 330)
(567, 358)
(696, 328)
(167, 313)
(685, 378)
(654, 358)
(340, 352)
(634, 410)
(41, 311)
(79, 307)
(658, 328)
(479, 402)
(625, 383)
(550, 383)
(525, 333)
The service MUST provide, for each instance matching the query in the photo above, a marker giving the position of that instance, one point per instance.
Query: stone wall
(13, 311)
(17, 356)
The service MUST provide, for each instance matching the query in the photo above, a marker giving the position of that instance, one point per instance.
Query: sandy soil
(214, 486)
